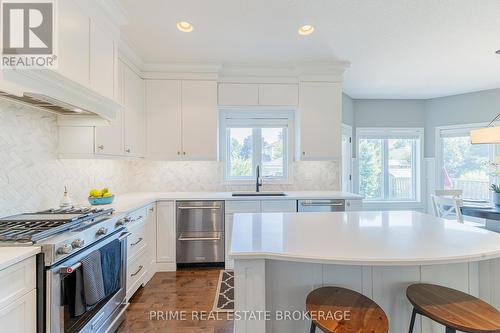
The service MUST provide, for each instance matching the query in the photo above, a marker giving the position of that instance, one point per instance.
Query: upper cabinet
(320, 117)
(181, 119)
(74, 42)
(103, 61)
(134, 113)
(251, 94)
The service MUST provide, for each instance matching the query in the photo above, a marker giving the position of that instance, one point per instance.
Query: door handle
(138, 241)
(181, 238)
(137, 272)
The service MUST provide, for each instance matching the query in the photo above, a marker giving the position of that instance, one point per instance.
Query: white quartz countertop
(131, 201)
(360, 238)
(12, 255)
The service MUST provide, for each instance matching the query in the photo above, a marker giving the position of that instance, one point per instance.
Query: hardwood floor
(191, 292)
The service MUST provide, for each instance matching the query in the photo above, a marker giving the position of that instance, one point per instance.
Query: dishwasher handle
(322, 204)
(199, 207)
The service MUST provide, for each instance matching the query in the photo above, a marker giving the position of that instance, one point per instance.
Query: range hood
(46, 103)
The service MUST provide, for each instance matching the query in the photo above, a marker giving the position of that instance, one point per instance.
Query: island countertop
(360, 238)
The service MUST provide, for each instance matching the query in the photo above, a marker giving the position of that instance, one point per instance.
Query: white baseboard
(166, 267)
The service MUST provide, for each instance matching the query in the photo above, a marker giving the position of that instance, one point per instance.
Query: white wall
(33, 178)
(347, 110)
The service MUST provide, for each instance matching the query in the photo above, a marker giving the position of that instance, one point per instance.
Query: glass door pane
(401, 169)
(465, 167)
(370, 168)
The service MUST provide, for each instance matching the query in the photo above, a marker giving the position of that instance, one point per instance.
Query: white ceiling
(397, 48)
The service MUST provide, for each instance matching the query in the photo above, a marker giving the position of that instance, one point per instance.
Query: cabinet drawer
(20, 315)
(137, 217)
(242, 207)
(137, 241)
(136, 272)
(279, 206)
(17, 280)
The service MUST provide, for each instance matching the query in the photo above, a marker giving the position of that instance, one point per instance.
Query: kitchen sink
(259, 194)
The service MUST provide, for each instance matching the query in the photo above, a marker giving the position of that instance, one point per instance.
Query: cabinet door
(102, 61)
(199, 120)
(151, 238)
(73, 42)
(163, 119)
(278, 94)
(75, 140)
(279, 206)
(353, 205)
(134, 115)
(165, 232)
(20, 315)
(109, 139)
(238, 94)
(320, 110)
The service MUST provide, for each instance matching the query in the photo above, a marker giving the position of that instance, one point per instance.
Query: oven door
(103, 316)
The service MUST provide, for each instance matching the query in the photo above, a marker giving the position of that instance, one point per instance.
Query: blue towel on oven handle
(111, 262)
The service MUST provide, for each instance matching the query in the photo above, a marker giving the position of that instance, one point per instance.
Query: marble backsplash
(33, 178)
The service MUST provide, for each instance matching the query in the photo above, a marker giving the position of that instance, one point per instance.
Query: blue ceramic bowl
(101, 201)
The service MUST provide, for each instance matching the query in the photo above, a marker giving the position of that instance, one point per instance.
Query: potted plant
(496, 194)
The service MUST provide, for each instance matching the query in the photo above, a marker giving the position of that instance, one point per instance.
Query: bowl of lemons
(100, 197)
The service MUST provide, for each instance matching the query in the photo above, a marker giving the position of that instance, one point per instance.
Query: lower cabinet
(140, 269)
(18, 297)
(165, 236)
(354, 205)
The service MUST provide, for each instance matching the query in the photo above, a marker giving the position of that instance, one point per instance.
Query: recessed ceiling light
(77, 110)
(306, 30)
(185, 26)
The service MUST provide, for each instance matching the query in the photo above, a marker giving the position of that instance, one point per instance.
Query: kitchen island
(281, 257)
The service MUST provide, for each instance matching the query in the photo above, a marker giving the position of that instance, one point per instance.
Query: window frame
(493, 150)
(249, 118)
(417, 167)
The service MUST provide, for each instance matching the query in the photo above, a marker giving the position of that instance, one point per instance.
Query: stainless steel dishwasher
(328, 205)
(200, 232)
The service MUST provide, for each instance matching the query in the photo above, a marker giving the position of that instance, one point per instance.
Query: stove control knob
(65, 249)
(102, 231)
(78, 243)
(121, 222)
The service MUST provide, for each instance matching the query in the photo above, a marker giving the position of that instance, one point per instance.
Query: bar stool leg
(450, 330)
(313, 327)
(412, 321)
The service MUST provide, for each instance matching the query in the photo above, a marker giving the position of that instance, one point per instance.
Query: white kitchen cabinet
(199, 120)
(165, 233)
(134, 113)
(76, 141)
(320, 114)
(278, 94)
(251, 94)
(181, 120)
(20, 316)
(103, 60)
(73, 42)
(230, 94)
(163, 119)
(279, 206)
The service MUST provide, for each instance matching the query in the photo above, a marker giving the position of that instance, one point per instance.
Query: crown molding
(114, 10)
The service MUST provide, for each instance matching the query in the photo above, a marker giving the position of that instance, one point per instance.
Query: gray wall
(476, 107)
(347, 110)
(389, 113)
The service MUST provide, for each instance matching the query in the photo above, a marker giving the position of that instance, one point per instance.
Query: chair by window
(447, 203)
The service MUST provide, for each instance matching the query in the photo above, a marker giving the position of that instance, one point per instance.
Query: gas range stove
(59, 232)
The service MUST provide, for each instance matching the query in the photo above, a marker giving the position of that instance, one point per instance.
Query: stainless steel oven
(106, 315)
(200, 232)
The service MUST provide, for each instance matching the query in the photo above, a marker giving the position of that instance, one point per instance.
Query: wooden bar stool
(364, 314)
(453, 309)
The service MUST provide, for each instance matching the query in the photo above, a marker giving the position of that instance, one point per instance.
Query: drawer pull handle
(321, 204)
(199, 207)
(198, 238)
(137, 272)
(138, 241)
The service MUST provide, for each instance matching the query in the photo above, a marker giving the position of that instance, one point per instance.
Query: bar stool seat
(355, 312)
(454, 309)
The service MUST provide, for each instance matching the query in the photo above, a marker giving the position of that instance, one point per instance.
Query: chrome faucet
(258, 180)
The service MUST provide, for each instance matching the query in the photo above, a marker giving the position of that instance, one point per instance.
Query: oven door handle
(124, 235)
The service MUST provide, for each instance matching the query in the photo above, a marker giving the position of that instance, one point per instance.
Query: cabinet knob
(183, 153)
(303, 153)
(101, 147)
(151, 209)
(127, 150)
(178, 153)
